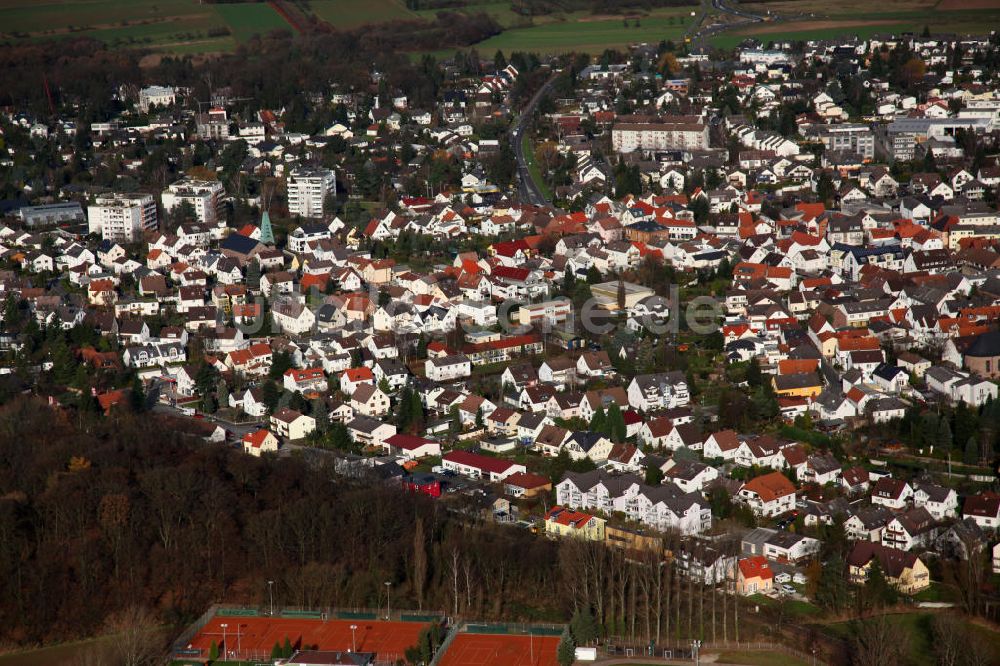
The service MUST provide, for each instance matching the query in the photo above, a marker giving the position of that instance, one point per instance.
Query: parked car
(787, 589)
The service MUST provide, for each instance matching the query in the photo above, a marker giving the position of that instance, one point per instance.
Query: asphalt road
(527, 188)
(700, 35)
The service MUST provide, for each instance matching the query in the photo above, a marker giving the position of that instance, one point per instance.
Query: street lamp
(270, 595)
(354, 646)
(224, 625)
(695, 645)
(388, 586)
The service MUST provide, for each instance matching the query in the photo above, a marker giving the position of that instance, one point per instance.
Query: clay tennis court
(501, 650)
(250, 637)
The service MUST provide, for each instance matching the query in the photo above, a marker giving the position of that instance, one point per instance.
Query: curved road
(702, 34)
(527, 188)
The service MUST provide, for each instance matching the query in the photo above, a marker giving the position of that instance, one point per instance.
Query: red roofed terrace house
(478, 466)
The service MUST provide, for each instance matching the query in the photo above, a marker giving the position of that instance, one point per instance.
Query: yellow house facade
(903, 570)
(561, 522)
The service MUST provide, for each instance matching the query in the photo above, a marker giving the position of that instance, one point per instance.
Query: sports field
(254, 637)
(501, 650)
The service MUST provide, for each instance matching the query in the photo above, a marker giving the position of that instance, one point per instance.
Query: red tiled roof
(756, 567)
(256, 438)
(771, 486)
(407, 442)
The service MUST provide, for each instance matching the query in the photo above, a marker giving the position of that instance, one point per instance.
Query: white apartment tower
(307, 189)
(122, 217)
(205, 196)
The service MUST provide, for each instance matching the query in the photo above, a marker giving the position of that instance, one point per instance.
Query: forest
(109, 517)
(99, 516)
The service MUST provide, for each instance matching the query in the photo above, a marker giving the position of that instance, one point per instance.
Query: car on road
(787, 589)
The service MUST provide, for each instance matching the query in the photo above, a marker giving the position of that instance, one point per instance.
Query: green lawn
(533, 168)
(246, 20)
(916, 635)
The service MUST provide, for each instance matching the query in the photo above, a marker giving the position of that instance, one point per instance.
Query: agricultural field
(175, 26)
(819, 19)
(246, 20)
(591, 34)
(502, 13)
(346, 14)
(553, 33)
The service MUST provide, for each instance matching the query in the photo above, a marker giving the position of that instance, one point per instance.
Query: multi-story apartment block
(650, 133)
(205, 196)
(552, 312)
(122, 217)
(308, 189)
(854, 137)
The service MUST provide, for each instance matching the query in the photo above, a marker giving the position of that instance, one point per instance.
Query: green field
(246, 20)
(502, 13)
(177, 26)
(590, 36)
(66, 653)
(49, 17)
(817, 21)
(345, 14)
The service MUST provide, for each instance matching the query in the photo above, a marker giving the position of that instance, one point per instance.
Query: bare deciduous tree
(137, 638)
(877, 642)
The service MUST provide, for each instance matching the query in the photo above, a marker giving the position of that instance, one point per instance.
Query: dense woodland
(101, 516)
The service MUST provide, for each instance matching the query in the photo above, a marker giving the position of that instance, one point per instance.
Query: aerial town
(730, 321)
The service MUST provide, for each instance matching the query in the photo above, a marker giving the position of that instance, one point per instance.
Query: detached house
(940, 502)
(915, 528)
(984, 509)
(369, 400)
(562, 522)
(290, 424)
(665, 390)
(753, 575)
(903, 570)
(259, 442)
(304, 380)
(891, 493)
(769, 495)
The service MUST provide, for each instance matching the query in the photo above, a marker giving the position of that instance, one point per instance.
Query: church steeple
(266, 233)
